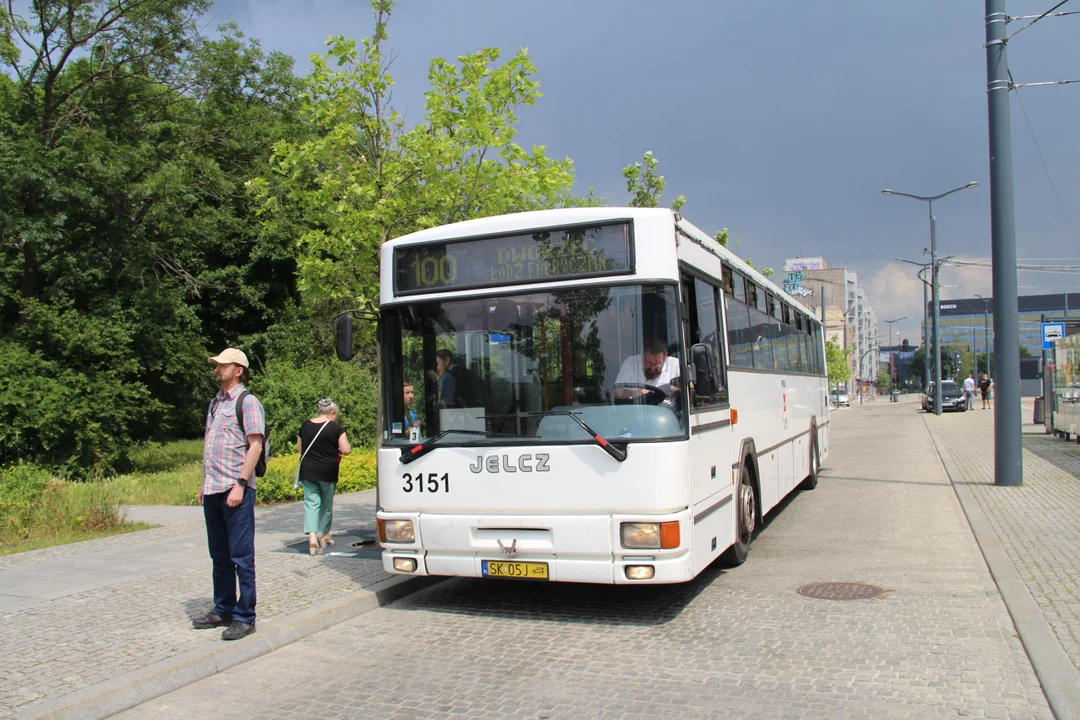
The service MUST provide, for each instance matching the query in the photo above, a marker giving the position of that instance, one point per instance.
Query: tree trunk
(31, 266)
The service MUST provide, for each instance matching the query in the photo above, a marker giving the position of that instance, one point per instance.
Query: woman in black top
(321, 442)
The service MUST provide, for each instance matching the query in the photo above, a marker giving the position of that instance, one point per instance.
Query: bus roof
(689, 229)
(522, 221)
(515, 222)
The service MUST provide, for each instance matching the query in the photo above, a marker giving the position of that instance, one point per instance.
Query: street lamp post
(892, 378)
(929, 200)
(925, 324)
(986, 330)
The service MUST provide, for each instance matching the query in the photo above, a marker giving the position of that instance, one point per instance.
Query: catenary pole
(937, 310)
(1008, 448)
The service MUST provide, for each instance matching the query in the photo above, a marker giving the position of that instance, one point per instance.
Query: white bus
(602, 395)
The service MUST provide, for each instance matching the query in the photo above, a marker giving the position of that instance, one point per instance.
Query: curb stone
(159, 678)
(1059, 678)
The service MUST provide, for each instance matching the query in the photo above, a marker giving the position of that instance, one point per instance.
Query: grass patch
(154, 457)
(71, 536)
(37, 509)
(171, 487)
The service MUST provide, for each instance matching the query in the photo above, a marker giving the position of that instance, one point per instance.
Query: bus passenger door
(710, 427)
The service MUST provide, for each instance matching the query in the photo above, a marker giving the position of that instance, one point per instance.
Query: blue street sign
(1050, 333)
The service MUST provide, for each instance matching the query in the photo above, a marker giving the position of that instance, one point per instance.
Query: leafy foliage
(357, 472)
(646, 189)
(125, 231)
(836, 362)
(362, 176)
(645, 186)
(289, 393)
(35, 505)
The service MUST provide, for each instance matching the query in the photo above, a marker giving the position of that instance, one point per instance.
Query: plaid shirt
(225, 447)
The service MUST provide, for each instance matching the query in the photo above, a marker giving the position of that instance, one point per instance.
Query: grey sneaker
(209, 620)
(237, 630)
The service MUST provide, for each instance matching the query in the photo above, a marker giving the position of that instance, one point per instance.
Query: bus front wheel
(745, 518)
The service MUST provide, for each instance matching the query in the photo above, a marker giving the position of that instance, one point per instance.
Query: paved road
(739, 643)
(93, 612)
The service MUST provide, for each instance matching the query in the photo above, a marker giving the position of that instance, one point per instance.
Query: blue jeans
(230, 534)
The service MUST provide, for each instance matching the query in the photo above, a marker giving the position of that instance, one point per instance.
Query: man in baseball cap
(230, 356)
(235, 432)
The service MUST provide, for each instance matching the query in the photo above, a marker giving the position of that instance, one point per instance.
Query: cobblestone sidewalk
(142, 589)
(1038, 523)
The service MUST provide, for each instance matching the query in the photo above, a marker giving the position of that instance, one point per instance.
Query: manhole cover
(363, 543)
(840, 591)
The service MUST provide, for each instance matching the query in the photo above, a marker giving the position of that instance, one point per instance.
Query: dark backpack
(260, 466)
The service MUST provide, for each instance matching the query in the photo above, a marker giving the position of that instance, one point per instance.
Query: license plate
(523, 570)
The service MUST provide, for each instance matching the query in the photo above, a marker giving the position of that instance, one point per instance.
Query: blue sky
(781, 121)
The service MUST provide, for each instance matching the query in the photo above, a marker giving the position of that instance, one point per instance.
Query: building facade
(835, 296)
(969, 322)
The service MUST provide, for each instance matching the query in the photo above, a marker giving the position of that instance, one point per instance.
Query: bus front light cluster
(396, 531)
(650, 536)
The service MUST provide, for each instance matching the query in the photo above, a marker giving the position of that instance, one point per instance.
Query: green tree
(362, 176)
(126, 232)
(836, 363)
(645, 186)
(646, 189)
(884, 381)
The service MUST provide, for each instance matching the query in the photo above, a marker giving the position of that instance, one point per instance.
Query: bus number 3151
(432, 482)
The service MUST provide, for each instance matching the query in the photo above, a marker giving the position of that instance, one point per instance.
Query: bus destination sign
(542, 256)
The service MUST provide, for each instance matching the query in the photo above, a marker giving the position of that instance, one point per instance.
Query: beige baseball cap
(230, 355)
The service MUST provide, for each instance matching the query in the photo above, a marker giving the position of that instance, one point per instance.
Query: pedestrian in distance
(984, 390)
(233, 452)
(969, 391)
(321, 442)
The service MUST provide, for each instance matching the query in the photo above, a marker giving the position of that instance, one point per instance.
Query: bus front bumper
(573, 548)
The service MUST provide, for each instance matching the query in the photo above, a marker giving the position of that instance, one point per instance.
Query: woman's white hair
(327, 407)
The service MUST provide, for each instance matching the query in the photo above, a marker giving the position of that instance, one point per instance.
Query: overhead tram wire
(1038, 149)
(1037, 19)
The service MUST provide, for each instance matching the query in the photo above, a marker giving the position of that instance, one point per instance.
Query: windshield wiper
(613, 450)
(416, 451)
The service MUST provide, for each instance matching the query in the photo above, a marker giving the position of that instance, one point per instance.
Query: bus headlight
(397, 531)
(640, 536)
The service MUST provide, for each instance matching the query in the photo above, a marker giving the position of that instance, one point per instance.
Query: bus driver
(651, 373)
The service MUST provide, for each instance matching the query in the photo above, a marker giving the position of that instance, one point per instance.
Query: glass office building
(971, 320)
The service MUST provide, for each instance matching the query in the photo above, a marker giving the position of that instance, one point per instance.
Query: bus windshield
(508, 368)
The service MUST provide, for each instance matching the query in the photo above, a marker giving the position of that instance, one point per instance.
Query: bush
(357, 473)
(62, 418)
(289, 394)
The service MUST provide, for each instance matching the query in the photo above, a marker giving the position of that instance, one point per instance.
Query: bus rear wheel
(746, 508)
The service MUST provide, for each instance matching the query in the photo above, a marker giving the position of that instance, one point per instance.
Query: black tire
(746, 506)
(815, 463)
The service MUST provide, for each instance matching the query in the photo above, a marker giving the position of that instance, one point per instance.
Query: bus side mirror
(704, 381)
(344, 338)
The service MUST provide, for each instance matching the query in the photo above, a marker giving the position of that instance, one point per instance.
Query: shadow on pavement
(1063, 454)
(570, 603)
